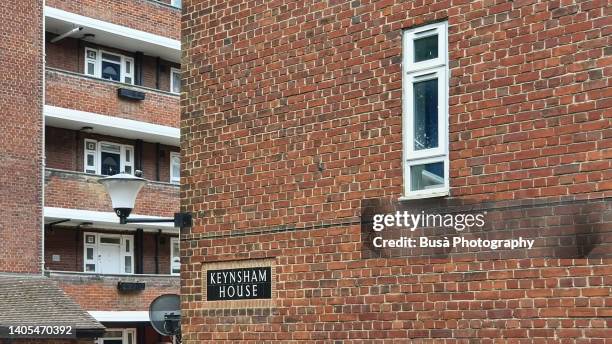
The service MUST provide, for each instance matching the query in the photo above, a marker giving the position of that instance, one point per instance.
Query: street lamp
(123, 189)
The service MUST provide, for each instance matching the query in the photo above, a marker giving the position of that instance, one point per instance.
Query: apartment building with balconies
(103, 98)
(310, 121)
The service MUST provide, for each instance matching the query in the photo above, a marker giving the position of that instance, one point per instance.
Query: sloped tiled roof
(37, 300)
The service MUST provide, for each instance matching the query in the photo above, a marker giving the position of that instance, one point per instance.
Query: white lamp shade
(123, 189)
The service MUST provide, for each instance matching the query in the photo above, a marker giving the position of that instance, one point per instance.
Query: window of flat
(176, 3)
(110, 66)
(425, 111)
(108, 253)
(118, 336)
(175, 262)
(107, 158)
(175, 80)
(175, 167)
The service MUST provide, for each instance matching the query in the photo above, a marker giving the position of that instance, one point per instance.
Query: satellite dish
(165, 315)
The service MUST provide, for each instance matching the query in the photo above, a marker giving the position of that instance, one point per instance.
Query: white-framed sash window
(425, 111)
(107, 158)
(109, 66)
(108, 253)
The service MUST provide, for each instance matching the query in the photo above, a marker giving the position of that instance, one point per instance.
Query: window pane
(427, 176)
(106, 240)
(111, 57)
(91, 54)
(113, 334)
(110, 71)
(176, 82)
(90, 253)
(175, 249)
(111, 147)
(90, 239)
(90, 267)
(426, 48)
(110, 163)
(128, 80)
(91, 68)
(128, 264)
(128, 169)
(176, 171)
(426, 114)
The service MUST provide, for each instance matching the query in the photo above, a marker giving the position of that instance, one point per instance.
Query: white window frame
(124, 149)
(94, 247)
(172, 72)
(175, 179)
(95, 61)
(126, 247)
(412, 72)
(172, 263)
(98, 65)
(124, 335)
(87, 168)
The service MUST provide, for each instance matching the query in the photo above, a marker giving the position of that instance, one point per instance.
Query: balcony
(83, 93)
(154, 17)
(95, 292)
(74, 101)
(80, 191)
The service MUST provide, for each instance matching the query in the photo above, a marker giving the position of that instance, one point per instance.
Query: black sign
(130, 286)
(239, 284)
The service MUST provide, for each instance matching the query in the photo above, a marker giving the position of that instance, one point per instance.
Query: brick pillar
(21, 132)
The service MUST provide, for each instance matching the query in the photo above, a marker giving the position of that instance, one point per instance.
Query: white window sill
(433, 194)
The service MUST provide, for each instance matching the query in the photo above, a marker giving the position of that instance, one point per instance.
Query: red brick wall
(66, 54)
(95, 293)
(293, 117)
(68, 244)
(527, 110)
(61, 146)
(21, 135)
(143, 15)
(66, 90)
(328, 293)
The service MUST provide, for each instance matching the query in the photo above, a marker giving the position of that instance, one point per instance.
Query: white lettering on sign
(238, 276)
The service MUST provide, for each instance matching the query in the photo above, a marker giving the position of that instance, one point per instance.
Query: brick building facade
(300, 117)
(90, 88)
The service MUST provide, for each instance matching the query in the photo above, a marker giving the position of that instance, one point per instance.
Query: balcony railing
(95, 292)
(156, 17)
(77, 190)
(83, 93)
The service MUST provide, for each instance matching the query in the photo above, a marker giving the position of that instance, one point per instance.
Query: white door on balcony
(109, 254)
